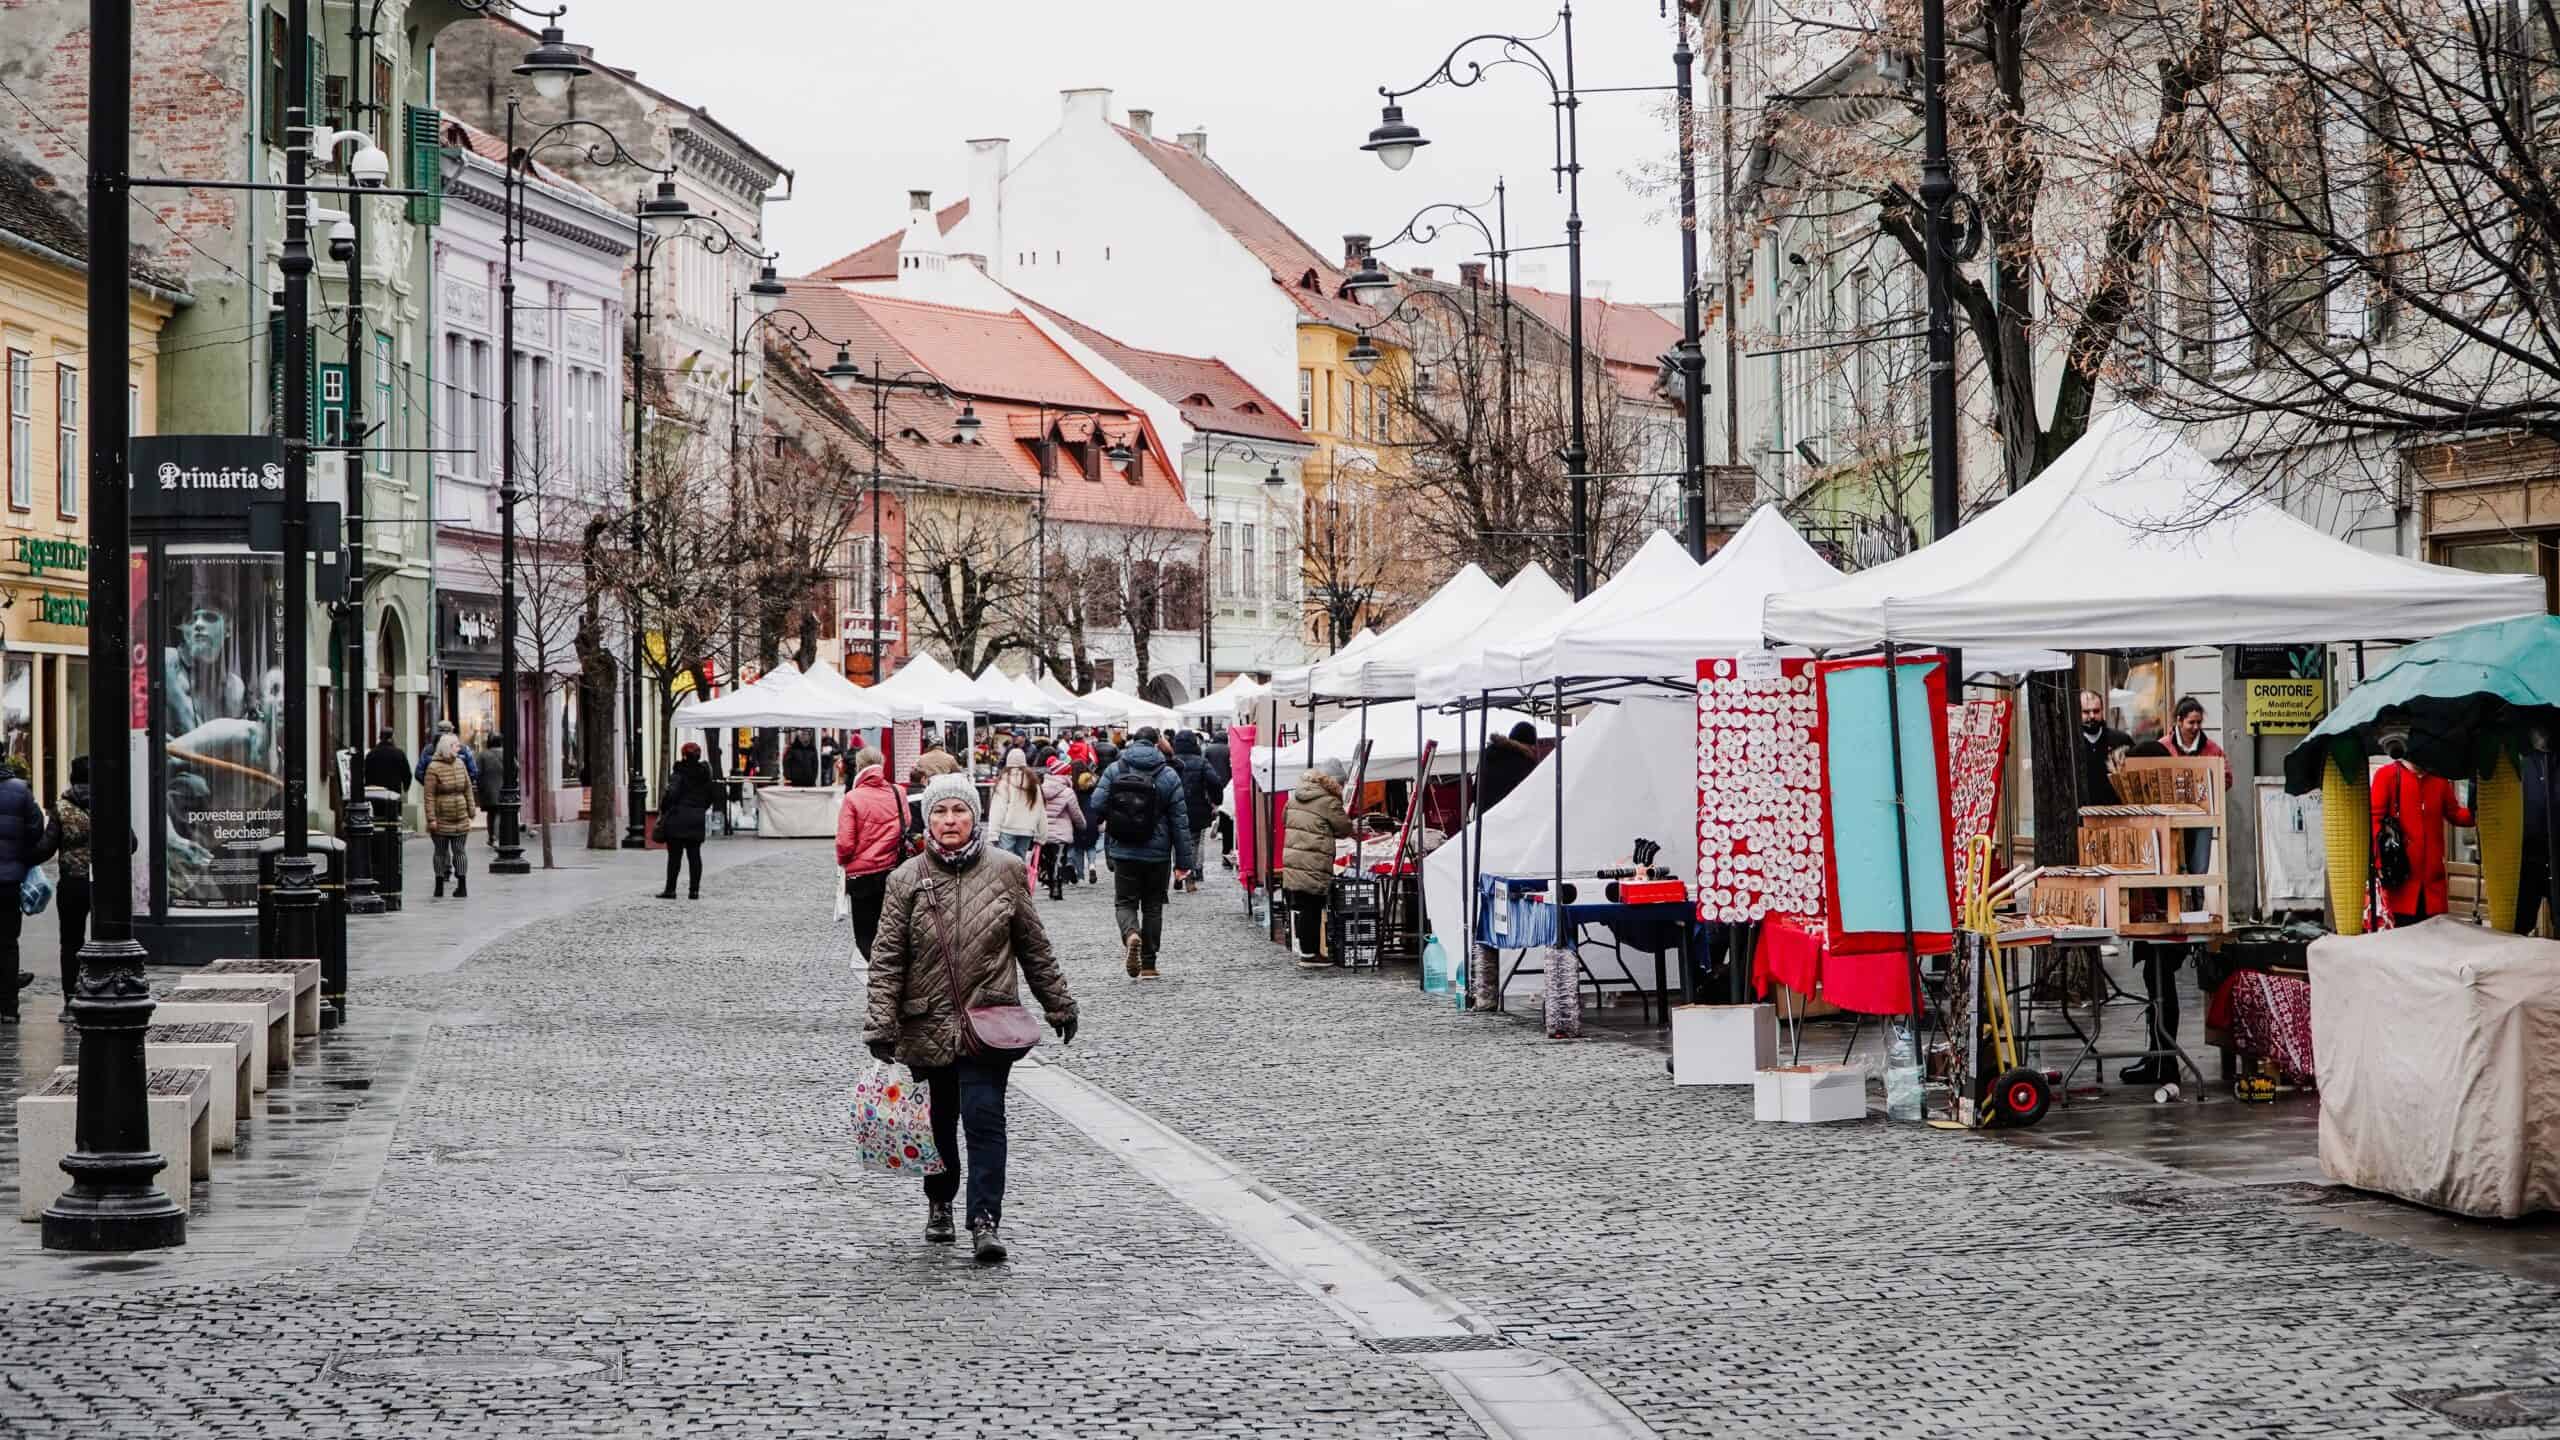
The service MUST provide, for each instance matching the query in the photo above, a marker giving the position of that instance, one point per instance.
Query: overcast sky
(869, 100)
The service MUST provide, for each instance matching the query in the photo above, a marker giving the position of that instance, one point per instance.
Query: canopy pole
(1467, 856)
(1360, 837)
(1557, 754)
(1902, 842)
(1421, 778)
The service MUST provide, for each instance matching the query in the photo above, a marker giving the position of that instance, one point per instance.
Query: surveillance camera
(369, 168)
(342, 241)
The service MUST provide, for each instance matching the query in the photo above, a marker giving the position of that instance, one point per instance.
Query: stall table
(1513, 912)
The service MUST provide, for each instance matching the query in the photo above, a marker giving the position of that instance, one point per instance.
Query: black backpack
(1132, 808)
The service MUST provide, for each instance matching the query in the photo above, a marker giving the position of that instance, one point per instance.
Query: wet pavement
(578, 1166)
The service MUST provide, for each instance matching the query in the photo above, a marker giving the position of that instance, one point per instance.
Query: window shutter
(425, 135)
(2346, 146)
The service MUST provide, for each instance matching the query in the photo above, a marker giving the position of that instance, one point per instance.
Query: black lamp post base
(510, 861)
(635, 836)
(297, 907)
(112, 1216)
(363, 898)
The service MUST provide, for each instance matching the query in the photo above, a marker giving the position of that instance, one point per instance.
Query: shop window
(2537, 554)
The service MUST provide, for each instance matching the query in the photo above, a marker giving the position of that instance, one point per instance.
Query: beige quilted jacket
(995, 932)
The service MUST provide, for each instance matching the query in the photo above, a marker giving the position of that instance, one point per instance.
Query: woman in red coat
(2422, 803)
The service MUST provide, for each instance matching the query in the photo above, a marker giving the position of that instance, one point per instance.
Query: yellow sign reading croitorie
(2286, 707)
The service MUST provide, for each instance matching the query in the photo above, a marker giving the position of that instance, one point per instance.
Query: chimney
(1421, 272)
(1144, 122)
(1195, 141)
(985, 225)
(1353, 247)
(1084, 107)
(919, 200)
(1471, 274)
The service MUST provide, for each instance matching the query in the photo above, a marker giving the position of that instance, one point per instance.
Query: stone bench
(306, 985)
(269, 1013)
(223, 1048)
(180, 1099)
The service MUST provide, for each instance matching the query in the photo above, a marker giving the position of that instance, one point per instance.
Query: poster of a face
(18, 709)
(219, 656)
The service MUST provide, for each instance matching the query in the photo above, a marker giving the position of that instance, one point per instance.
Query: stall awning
(2133, 540)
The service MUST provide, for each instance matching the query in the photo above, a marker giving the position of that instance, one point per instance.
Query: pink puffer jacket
(870, 823)
(1058, 802)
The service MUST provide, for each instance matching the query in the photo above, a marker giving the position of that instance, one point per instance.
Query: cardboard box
(1810, 1094)
(1722, 1044)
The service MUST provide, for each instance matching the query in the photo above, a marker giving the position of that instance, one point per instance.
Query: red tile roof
(1210, 395)
(1007, 368)
(1629, 339)
(1291, 259)
(879, 259)
(494, 150)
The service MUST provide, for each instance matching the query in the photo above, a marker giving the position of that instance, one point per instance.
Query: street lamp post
(550, 65)
(1115, 452)
(1213, 448)
(1370, 279)
(1689, 357)
(844, 371)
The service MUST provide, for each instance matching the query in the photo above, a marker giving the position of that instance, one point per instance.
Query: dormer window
(1249, 408)
(1309, 281)
(1197, 400)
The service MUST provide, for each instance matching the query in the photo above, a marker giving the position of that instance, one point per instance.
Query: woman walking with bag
(1064, 812)
(871, 823)
(448, 814)
(958, 930)
(1014, 807)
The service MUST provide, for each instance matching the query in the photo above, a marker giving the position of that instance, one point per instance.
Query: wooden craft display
(2127, 879)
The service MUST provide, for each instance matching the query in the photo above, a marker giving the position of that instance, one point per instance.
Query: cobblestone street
(609, 1146)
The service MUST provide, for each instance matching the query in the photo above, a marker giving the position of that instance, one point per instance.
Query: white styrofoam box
(1722, 1044)
(1810, 1094)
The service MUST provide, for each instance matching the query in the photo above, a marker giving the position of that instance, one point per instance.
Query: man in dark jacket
(1222, 775)
(1146, 831)
(22, 848)
(427, 755)
(2095, 749)
(1199, 788)
(800, 763)
(385, 768)
(1508, 759)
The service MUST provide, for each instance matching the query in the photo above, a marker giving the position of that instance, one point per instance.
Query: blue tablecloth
(1512, 914)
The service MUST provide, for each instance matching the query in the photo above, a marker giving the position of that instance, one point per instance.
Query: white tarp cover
(1387, 670)
(1296, 682)
(1227, 701)
(1076, 707)
(2439, 1055)
(1661, 566)
(1629, 769)
(1392, 752)
(1716, 612)
(1448, 613)
(783, 697)
(1026, 698)
(923, 688)
(2134, 540)
(1132, 711)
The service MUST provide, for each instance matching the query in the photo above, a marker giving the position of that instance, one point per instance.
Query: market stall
(786, 698)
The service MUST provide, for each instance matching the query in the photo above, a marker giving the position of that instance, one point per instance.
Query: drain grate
(2218, 1199)
(475, 1366)
(1435, 1344)
(2491, 1407)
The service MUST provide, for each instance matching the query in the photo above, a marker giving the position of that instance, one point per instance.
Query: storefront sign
(72, 610)
(199, 477)
(467, 628)
(2282, 662)
(2286, 707)
(40, 555)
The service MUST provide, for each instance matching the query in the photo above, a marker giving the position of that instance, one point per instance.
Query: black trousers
(1306, 921)
(2533, 886)
(1138, 888)
(72, 899)
(1053, 855)
(969, 1093)
(2160, 985)
(866, 892)
(689, 854)
(12, 920)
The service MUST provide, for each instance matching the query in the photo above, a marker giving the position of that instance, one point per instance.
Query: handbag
(844, 901)
(2391, 845)
(35, 891)
(893, 1122)
(991, 1030)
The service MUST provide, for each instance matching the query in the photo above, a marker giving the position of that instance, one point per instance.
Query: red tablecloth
(1797, 956)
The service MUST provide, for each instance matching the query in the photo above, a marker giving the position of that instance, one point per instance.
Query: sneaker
(1147, 970)
(1312, 962)
(1133, 954)
(985, 1243)
(937, 1224)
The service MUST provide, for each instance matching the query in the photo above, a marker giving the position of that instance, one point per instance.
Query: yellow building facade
(48, 396)
(1349, 567)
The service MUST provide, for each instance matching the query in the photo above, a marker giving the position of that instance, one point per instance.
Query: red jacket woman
(2422, 803)
(871, 828)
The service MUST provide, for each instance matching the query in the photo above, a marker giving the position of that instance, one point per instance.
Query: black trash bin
(386, 845)
(331, 853)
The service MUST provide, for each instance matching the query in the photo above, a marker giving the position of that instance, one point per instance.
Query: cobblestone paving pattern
(1723, 1277)
(626, 1151)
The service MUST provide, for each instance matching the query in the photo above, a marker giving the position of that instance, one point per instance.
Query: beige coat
(995, 938)
(1315, 820)
(448, 802)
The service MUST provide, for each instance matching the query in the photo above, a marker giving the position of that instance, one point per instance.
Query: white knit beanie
(951, 787)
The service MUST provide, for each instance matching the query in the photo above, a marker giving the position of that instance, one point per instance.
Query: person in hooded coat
(1508, 760)
(684, 817)
(871, 827)
(1146, 833)
(1315, 819)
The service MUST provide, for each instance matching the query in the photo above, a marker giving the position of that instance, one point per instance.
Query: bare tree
(678, 575)
(599, 682)
(1345, 555)
(969, 583)
(554, 515)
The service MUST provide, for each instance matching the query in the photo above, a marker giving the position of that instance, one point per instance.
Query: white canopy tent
(1133, 711)
(1392, 734)
(1460, 619)
(2134, 540)
(1082, 709)
(1715, 610)
(1227, 701)
(1518, 657)
(923, 689)
(1015, 695)
(784, 697)
(1630, 770)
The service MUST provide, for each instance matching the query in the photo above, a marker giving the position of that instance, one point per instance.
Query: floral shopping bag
(893, 1122)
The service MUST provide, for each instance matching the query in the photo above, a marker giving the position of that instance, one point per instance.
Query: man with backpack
(1146, 833)
(1199, 789)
